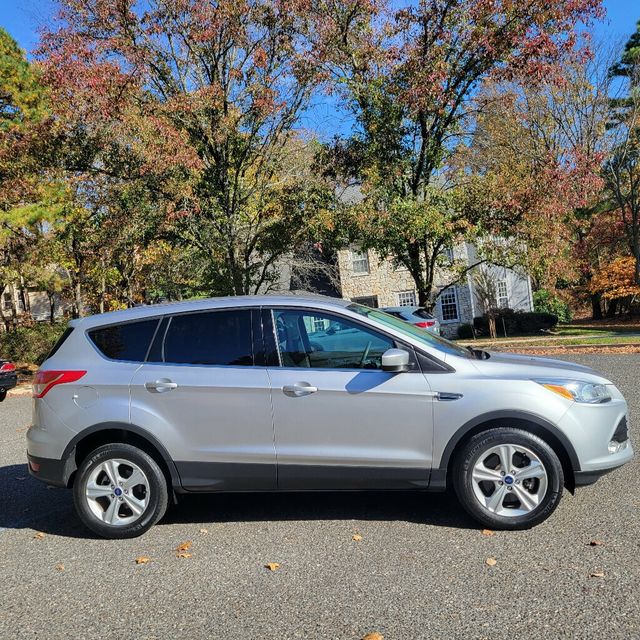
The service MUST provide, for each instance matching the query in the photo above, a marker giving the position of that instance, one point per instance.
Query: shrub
(30, 344)
(545, 302)
(517, 323)
(465, 332)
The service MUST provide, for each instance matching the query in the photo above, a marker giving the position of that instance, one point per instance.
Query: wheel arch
(526, 421)
(116, 432)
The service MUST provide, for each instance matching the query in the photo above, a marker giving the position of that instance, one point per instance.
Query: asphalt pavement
(418, 571)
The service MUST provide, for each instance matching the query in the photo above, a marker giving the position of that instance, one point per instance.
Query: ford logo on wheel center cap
(508, 479)
(118, 491)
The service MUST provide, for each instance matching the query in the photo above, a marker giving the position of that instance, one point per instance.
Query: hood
(515, 365)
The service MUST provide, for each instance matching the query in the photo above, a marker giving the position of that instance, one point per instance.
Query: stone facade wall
(384, 282)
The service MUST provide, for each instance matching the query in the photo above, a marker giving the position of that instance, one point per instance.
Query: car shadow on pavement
(437, 509)
(26, 503)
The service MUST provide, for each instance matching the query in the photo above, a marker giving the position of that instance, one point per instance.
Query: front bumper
(599, 435)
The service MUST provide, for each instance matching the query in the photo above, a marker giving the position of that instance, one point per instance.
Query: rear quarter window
(61, 340)
(128, 341)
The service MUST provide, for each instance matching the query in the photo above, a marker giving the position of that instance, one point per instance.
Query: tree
(622, 169)
(615, 281)
(408, 77)
(535, 159)
(199, 102)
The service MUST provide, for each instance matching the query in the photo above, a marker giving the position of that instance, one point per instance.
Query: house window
(502, 295)
(449, 305)
(360, 261)
(448, 253)
(406, 298)
(367, 301)
(6, 301)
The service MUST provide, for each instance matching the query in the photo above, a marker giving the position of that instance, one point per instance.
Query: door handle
(298, 389)
(160, 386)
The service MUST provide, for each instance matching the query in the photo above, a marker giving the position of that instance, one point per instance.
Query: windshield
(426, 337)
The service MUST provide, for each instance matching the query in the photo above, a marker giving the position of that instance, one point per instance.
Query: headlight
(586, 392)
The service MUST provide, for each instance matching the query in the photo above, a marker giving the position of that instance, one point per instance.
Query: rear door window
(209, 338)
(127, 341)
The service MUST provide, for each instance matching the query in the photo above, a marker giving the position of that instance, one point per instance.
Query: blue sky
(22, 18)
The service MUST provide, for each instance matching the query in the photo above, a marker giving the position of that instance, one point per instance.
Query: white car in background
(417, 316)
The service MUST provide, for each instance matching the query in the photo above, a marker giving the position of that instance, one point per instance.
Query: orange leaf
(488, 533)
(596, 543)
(185, 546)
(39, 535)
(183, 554)
(492, 562)
(60, 567)
(596, 574)
(357, 537)
(272, 566)
(373, 636)
(143, 560)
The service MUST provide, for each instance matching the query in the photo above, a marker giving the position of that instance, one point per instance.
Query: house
(40, 305)
(367, 279)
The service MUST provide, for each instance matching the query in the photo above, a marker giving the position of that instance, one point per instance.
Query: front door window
(317, 340)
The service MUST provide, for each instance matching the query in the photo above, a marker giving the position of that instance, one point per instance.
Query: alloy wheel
(117, 492)
(509, 480)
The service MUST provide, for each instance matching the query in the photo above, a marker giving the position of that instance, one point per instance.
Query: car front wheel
(507, 478)
(120, 491)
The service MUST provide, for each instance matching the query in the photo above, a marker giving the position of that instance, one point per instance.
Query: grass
(568, 335)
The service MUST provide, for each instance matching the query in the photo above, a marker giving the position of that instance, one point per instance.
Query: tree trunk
(613, 306)
(52, 307)
(492, 327)
(596, 306)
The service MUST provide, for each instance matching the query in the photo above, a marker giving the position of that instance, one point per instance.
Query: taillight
(7, 366)
(424, 325)
(44, 381)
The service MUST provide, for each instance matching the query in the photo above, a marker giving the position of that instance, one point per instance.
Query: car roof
(204, 304)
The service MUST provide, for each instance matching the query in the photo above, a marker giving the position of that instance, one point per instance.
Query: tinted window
(427, 338)
(421, 313)
(319, 340)
(214, 337)
(128, 341)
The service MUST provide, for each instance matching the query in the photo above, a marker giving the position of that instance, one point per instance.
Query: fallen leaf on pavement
(185, 546)
(204, 531)
(272, 566)
(492, 562)
(488, 532)
(143, 560)
(60, 567)
(596, 543)
(38, 535)
(373, 636)
(183, 554)
(357, 537)
(596, 574)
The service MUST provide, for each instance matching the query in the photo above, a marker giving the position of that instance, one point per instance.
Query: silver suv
(134, 408)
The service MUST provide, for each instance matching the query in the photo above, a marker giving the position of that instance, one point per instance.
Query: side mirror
(395, 361)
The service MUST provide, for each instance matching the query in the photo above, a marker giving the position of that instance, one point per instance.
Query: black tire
(481, 443)
(156, 499)
(3, 394)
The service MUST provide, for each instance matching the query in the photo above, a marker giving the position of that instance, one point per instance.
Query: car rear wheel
(508, 478)
(120, 491)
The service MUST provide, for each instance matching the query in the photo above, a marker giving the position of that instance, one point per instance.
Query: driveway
(418, 571)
